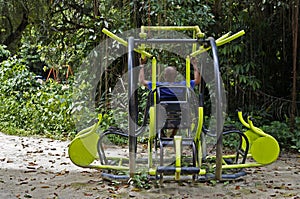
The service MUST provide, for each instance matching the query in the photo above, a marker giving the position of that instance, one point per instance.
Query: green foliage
(235, 73)
(231, 141)
(4, 53)
(60, 33)
(279, 130)
(183, 13)
(254, 64)
(177, 12)
(15, 16)
(29, 53)
(296, 135)
(69, 31)
(282, 133)
(141, 181)
(29, 107)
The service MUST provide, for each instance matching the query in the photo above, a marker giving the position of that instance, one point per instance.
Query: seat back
(175, 107)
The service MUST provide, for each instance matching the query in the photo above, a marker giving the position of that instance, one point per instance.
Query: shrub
(4, 53)
(282, 133)
(29, 107)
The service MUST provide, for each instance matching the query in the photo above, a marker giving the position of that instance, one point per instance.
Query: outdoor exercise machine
(188, 151)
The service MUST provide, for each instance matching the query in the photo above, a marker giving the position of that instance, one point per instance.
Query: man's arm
(142, 80)
(197, 76)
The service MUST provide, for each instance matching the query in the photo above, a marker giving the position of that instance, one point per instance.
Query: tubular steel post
(132, 108)
(219, 105)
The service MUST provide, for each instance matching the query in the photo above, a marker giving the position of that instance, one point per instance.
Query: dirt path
(39, 168)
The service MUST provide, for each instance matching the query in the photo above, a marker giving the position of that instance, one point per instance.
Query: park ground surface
(40, 168)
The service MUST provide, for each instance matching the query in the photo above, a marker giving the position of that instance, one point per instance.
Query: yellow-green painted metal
(152, 115)
(197, 30)
(154, 75)
(223, 37)
(256, 130)
(152, 125)
(251, 136)
(152, 130)
(265, 150)
(194, 48)
(109, 167)
(188, 72)
(240, 116)
(177, 143)
(116, 158)
(84, 131)
(153, 109)
(200, 124)
(263, 147)
(152, 112)
(124, 43)
(230, 156)
(202, 172)
(240, 166)
(83, 148)
(219, 42)
(236, 166)
(152, 171)
(200, 155)
(177, 173)
(197, 138)
(230, 38)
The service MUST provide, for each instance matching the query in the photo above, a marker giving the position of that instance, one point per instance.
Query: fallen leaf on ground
(87, 194)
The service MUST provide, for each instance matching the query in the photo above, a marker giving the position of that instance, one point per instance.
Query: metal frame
(242, 150)
(132, 95)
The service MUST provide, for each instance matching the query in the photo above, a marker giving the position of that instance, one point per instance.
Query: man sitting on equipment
(170, 74)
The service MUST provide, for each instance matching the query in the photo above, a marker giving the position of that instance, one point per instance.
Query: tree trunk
(16, 35)
(96, 8)
(295, 14)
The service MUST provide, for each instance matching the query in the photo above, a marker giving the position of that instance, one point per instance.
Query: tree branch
(14, 35)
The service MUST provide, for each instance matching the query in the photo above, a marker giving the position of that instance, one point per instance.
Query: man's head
(170, 74)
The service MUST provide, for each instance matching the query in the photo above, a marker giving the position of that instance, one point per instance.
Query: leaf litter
(40, 168)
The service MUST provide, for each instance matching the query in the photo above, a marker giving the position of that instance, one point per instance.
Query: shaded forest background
(259, 70)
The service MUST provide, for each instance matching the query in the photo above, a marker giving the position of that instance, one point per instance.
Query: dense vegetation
(36, 36)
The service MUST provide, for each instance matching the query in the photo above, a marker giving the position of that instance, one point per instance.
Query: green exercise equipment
(256, 148)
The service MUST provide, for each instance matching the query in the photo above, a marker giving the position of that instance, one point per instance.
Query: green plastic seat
(83, 148)
(265, 150)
